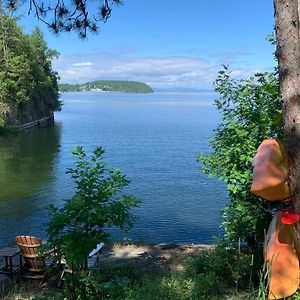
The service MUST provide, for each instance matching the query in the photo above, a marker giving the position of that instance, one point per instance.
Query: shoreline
(37, 123)
(169, 257)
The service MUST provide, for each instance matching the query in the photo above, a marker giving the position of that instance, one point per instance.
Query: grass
(210, 274)
(220, 273)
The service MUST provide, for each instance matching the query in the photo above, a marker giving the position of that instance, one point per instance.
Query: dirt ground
(168, 257)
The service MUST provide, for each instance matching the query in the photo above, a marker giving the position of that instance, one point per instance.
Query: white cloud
(160, 72)
(82, 64)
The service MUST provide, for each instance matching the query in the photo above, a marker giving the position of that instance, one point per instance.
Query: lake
(153, 138)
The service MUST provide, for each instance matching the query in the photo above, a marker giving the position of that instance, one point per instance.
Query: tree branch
(77, 15)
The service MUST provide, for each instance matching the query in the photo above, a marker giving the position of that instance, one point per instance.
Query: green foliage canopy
(28, 85)
(98, 204)
(251, 112)
(15, 77)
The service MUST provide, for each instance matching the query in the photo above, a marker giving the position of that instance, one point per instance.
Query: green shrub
(251, 112)
(98, 204)
(219, 269)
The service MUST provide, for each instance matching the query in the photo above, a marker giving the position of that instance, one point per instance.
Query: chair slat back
(29, 247)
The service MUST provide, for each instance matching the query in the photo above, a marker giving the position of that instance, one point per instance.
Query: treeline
(28, 85)
(108, 86)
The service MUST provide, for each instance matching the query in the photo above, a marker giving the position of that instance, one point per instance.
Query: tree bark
(288, 55)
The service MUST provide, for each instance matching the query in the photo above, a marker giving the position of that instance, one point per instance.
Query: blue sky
(168, 43)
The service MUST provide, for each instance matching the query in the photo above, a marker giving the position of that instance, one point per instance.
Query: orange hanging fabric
(270, 171)
(281, 259)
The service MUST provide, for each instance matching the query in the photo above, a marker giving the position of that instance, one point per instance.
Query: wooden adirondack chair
(29, 247)
(92, 261)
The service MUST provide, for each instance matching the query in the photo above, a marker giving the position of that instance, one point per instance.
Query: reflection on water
(27, 170)
(26, 161)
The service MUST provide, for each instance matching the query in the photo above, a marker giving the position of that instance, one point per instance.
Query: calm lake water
(153, 138)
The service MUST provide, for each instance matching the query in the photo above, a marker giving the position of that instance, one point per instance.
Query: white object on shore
(96, 250)
(93, 257)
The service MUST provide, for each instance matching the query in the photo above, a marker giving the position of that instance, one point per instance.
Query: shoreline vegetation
(127, 271)
(28, 84)
(107, 86)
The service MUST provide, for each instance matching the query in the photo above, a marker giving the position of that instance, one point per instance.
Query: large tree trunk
(288, 54)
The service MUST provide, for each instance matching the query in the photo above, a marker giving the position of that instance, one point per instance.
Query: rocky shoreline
(37, 123)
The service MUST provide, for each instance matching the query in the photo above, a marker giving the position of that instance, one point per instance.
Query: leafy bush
(98, 204)
(251, 112)
(220, 269)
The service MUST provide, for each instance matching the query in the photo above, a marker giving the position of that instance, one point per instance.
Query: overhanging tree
(74, 15)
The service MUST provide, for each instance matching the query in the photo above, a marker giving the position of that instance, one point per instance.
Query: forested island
(28, 85)
(107, 86)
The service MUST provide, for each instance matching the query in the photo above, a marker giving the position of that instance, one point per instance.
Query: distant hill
(107, 86)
